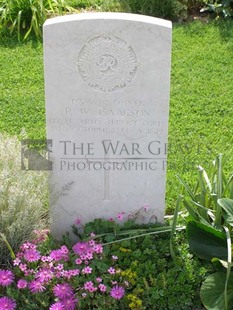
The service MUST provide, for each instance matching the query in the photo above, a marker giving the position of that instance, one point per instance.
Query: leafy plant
(124, 227)
(212, 291)
(23, 199)
(143, 266)
(169, 9)
(219, 7)
(157, 281)
(143, 254)
(209, 228)
(28, 16)
(207, 212)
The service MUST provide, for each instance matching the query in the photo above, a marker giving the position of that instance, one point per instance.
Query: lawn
(201, 110)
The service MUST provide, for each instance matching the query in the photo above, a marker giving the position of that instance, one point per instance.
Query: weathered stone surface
(107, 101)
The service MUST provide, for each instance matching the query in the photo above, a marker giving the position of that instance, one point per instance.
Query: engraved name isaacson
(117, 112)
(104, 116)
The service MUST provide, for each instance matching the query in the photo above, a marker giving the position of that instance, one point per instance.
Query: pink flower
(27, 246)
(87, 270)
(19, 255)
(111, 270)
(45, 259)
(117, 292)
(77, 221)
(22, 284)
(102, 288)
(58, 255)
(78, 261)
(98, 248)
(82, 257)
(74, 272)
(16, 262)
(32, 255)
(70, 273)
(36, 286)
(58, 274)
(120, 216)
(111, 219)
(64, 249)
(28, 272)
(99, 280)
(7, 303)
(92, 242)
(114, 257)
(63, 291)
(70, 304)
(59, 267)
(65, 274)
(57, 306)
(89, 256)
(44, 275)
(23, 267)
(6, 277)
(88, 285)
(92, 289)
(81, 248)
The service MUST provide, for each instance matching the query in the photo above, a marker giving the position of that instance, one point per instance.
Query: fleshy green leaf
(206, 241)
(212, 292)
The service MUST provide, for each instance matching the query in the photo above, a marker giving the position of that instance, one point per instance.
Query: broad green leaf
(206, 241)
(229, 259)
(212, 292)
(227, 205)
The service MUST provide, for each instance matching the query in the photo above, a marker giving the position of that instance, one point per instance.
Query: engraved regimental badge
(107, 63)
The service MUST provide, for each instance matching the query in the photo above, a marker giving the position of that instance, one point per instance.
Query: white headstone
(107, 101)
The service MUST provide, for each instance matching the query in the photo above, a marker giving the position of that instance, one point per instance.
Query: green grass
(201, 110)
(22, 88)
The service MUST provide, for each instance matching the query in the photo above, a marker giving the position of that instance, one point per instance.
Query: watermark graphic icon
(35, 154)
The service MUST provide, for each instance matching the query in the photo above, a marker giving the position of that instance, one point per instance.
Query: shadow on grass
(224, 27)
(11, 40)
